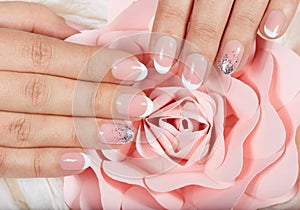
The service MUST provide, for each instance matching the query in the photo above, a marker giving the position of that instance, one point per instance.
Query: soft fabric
(228, 145)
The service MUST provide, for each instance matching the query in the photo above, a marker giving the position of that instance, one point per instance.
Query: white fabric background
(47, 193)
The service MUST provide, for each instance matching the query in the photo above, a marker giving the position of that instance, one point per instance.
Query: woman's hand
(222, 31)
(41, 98)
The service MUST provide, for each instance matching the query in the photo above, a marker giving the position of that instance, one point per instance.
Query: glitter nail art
(126, 134)
(231, 56)
(116, 133)
(228, 63)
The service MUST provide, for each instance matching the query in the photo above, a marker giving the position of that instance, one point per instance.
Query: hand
(222, 32)
(41, 97)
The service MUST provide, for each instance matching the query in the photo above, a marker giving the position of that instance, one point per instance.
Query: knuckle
(204, 31)
(37, 91)
(39, 52)
(37, 164)
(20, 129)
(247, 21)
(175, 13)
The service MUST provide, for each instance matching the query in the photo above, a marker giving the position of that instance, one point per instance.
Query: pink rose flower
(229, 145)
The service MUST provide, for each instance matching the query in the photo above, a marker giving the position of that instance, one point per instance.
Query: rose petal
(269, 135)
(90, 193)
(286, 166)
(261, 188)
(172, 181)
(233, 158)
(116, 154)
(109, 187)
(127, 18)
(284, 85)
(88, 37)
(133, 170)
(82, 191)
(138, 198)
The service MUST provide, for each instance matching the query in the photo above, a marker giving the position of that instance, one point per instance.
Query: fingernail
(129, 70)
(116, 133)
(74, 161)
(274, 24)
(134, 105)
(194, 71)
(164, 54)
(75, 26)
(231, 56)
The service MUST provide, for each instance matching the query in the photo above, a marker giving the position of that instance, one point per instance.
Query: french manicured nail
(134, 105)
(74, 161)
(164, 54)
(194, 71)
(129, 70)
(231, 56)
(75, 26)
(274, 24)
(115, 133)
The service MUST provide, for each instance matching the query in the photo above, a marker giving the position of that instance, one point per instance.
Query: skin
(36, 118)
(209, 25)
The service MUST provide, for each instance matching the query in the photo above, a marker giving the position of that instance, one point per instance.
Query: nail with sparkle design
(231, 56)
(116, 133)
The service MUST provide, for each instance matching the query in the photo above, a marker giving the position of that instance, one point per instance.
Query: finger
(237, 42)
(44, 94)
(33, 131)
(171, 19)
(42, 162)
(45, 55)
(207, 24)
(33, 17)
(277, 17)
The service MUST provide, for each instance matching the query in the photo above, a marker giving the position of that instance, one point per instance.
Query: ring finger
(238, 39)
(32, 131)
(43, 94)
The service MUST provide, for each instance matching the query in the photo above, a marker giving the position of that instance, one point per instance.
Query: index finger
(45, 55)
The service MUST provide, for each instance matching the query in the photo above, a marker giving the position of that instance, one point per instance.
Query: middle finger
(207, 23)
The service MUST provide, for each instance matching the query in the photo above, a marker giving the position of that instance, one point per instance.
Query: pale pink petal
(122, 18)
(90, 197)
(284, 85)
(138, 198)
(170, 200)
(117, 154)
(269, 135)
(109, 189)
(88, 37)
(81, 191)
(189, 176)
(233, 160)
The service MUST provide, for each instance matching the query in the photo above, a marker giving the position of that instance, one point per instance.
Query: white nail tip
(150, 107)
(271, 34)
(189, 85)
(87, 161)
(161, 69)
(144, 72)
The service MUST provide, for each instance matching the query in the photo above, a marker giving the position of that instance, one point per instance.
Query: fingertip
(274, 24)
(277, 18)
